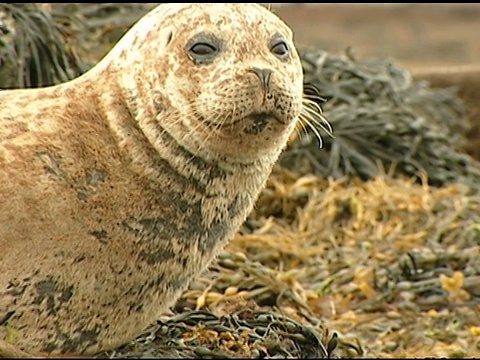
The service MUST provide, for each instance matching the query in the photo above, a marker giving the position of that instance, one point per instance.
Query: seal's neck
(148, 148)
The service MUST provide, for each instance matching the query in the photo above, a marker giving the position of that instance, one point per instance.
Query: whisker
(314, 97)
(311, 114)
(313, 111)
(320, 121)
(315, 131)
(297, 132)
(219, 123)
(303, 124)
(211, 133)
(325, 126)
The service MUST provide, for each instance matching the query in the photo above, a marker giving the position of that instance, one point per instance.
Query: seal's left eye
(203, 49)
(280, 49)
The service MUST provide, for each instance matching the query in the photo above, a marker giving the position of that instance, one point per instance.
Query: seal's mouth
(265, 116)
(258, 122)
(253, 123)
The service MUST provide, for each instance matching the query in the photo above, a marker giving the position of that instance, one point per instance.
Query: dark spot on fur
(89, 336)
(84, 339)
(163, 282)
(132, 107)
(135, 41)
(66, 294)
(51, 164)
(100, 235)
(82, 194)
(159, 235)
(51, 346)
(155, 257)
(79, 259)
(157, 282)
(53, 293)
(185, 182)
(176, 282)
(133, 306)
(174, 224)
(45, 288)
(85, 187)
(159, 107)
(6, 317)
(95, 176)
(236, 206)
(217, 232)
(15, 128)
(212, 170)
(17, 289)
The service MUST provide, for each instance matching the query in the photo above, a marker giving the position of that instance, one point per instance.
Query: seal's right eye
(280, 49)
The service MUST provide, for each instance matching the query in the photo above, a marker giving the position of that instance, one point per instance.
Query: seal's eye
(203, 49)
(280, 49)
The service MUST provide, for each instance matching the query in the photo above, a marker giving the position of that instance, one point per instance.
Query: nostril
(263, 75)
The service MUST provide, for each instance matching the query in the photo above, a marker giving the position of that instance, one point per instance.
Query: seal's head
(225, 79)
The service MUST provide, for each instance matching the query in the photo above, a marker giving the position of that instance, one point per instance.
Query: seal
(118, 187)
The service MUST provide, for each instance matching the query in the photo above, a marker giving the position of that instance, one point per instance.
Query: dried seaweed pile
(391, 264)
(382, 118)
(245, 333)
(37, 46)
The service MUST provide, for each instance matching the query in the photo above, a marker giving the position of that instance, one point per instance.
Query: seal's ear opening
(170, 37)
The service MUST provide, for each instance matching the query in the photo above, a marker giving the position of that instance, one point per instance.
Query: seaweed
(382, 119)
(36, 48)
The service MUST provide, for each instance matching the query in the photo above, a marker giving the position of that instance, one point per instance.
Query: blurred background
(415, 35)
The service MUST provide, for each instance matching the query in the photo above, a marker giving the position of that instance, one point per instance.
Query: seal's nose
(264, 76)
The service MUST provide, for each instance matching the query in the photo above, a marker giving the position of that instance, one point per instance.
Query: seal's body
(118, 187)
